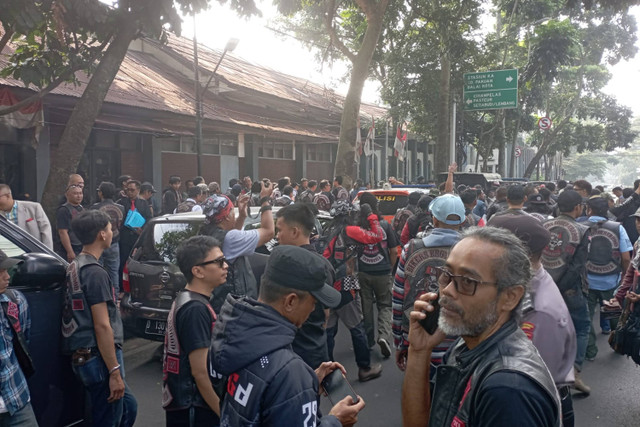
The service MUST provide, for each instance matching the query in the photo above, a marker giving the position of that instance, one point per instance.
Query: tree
(55, 38)
(349, 30)
(582, 166)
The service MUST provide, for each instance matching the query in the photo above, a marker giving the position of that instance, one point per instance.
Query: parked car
(151, 279)
(57, 397)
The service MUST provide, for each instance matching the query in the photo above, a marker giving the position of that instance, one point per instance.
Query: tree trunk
(66, 157)
(345, 159)
(535, 160)
(441, 163)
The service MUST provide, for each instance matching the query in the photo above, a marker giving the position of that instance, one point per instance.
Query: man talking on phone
(268, 384)
(493, 375)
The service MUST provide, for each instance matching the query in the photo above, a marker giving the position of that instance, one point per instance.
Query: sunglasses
(464, 285)
(220, 261)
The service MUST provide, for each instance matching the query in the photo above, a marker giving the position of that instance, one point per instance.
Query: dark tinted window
(389, 204)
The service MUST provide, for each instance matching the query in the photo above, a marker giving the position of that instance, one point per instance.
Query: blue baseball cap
(448, 204)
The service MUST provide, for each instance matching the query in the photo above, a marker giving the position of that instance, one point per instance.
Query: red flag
(401, 139)
(371, 136)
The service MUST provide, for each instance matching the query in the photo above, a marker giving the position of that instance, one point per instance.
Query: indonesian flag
(358, 141)
(26, 117)
(371, 136)
(401, 139)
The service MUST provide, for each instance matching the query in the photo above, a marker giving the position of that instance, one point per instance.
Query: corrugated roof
(144, 81)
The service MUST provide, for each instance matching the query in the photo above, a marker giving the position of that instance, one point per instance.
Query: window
(275, 150)
(319, 153)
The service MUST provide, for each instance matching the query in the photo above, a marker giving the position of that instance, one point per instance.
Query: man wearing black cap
(146, 192)
(268, 383)
(565, 258)
(14, 391)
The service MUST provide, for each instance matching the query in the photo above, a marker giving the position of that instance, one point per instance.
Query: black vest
(604, 250)
(240, 278)
(420, 275)
(77, 322)
(179, 390)
(566, 235)
(457, 382)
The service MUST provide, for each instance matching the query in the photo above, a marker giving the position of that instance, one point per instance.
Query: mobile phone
(337, 387)
(430, 323)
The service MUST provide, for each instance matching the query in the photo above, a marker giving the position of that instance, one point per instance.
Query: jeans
(359, 341)
(23, 418)
(378, 289)
(579, 311)
(595, 298)
(95, 378)
(110, 260)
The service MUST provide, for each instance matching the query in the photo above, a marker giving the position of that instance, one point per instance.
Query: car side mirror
(39, 271)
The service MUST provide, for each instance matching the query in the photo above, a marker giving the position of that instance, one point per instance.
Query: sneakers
(580, 385)
(374, 371)
(385, 348)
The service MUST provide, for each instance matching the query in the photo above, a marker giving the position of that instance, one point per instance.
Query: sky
(260, 45)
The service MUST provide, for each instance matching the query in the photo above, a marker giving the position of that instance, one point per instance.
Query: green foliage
(55, 38)
(581, 166)
(166, 247)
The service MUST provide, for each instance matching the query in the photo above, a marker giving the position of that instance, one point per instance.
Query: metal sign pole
(452, 146)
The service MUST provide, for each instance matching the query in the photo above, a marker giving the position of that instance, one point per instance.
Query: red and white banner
(26, 117)
(401, 140)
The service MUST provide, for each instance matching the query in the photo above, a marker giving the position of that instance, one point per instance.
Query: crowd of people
(485, 297)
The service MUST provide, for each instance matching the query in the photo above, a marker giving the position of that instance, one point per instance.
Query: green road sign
(491, 90)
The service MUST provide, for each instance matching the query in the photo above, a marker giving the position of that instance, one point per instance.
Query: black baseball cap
(6, 263)
(301, 269)
(527, 228)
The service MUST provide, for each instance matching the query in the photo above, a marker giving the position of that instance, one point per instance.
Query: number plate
(155, 327)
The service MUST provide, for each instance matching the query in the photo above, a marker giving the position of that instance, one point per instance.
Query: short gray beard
(474, 330)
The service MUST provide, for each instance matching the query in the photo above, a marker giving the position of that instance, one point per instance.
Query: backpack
(400, 219)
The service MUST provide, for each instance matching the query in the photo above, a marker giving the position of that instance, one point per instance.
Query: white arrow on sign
(469, 101)
(509, 79)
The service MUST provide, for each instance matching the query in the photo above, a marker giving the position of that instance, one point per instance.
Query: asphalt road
(613, 401)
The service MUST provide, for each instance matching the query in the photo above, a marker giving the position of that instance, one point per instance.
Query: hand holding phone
(430, 323)
(337, 387)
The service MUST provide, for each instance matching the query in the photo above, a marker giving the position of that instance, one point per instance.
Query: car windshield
(161, 239)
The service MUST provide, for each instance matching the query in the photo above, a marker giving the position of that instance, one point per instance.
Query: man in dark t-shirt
(188, 394)
(92, 327)
(67, 244)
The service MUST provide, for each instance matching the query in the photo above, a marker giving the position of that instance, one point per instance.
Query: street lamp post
(230, 46)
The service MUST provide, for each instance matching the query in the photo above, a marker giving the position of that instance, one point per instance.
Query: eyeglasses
(5, 194)
(220, 261)
(464, 285)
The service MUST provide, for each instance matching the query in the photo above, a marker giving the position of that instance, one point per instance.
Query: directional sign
(544, 123)
(491, 90)
(518, 151)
